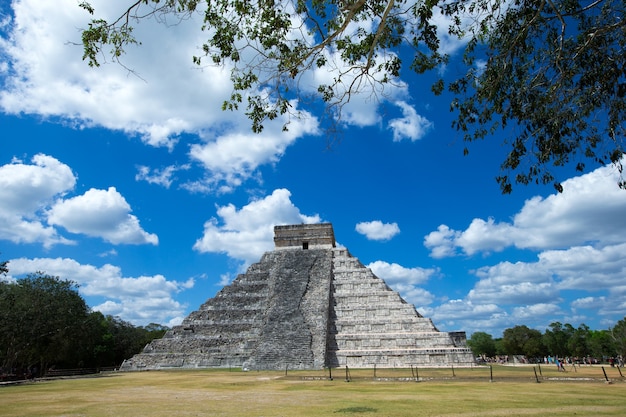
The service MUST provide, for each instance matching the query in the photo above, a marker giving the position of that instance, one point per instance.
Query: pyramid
(305, 305)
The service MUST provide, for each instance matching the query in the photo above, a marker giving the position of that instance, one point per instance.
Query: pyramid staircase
(305, 305)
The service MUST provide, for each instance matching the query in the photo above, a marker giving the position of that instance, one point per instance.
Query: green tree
(618, 334)
(556, 339)
(482, 343)
(100, 347)
(500, 350)
(45, 322)
(128, 340)
(42, 319)
(555, 70)
(578, 344)
(601, 344)
(154, 331)
(550, 74)
(521, 340)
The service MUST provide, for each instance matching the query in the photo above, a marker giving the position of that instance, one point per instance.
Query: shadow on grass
(356, 410)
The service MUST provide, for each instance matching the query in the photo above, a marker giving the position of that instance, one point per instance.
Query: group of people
(560, 363)
(586, 360)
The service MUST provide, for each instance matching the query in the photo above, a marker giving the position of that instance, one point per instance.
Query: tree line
(46, 324)
(579, 344)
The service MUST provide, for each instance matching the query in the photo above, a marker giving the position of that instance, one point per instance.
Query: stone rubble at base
(305, 305)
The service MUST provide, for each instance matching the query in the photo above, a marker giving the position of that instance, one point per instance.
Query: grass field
(483, 391)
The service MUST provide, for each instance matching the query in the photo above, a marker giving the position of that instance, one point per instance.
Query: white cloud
(362, 95)
(590, 209)
(417, 296)
(411, 125)
(247, 233)
(586, 267)
(406, 281)
(163, 177)
(34, 203)
(514, 293)
(464, 315)
(394, 273)
(448, 43)
(460, 309)
(441, 242)
(139, 300)
(577, 268)
(27, 190)
(535, 287)
(588, 303)
(234, 157)
(26, 186)
(541, 311)
(377, 230)
(578, 236)
(100, 213)
(165, 97)
(48, 76)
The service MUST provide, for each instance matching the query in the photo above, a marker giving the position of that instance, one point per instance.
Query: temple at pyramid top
(304, 236)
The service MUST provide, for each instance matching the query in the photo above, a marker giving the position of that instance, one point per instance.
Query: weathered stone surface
(296, 319)
(305, 306)
(305, 236)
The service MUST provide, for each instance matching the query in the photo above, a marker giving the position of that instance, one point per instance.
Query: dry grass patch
(513, 392)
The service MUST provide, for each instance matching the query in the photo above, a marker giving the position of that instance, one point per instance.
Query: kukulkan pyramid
(306, 305)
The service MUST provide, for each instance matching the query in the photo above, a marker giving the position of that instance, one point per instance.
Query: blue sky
(140, 189)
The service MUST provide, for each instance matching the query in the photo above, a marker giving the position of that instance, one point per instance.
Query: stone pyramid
(305, 305)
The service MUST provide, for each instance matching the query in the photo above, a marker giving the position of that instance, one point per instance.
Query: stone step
(254, 305)
(364, 292)
(360, 287)
(367, 312)
(391, 334)
(377, 325)
(359, 328)
(399, 351)
(388, 343)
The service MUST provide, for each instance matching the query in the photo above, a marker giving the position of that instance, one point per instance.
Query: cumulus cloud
(460, 309)
(46, 76)
(411, 125)
(248, 232)
(406, 281)
(578, 240)
(514, 293)
(233, 157)
(441, 242)
(587, 267)
(377, 230)
(393, 272)
(534, 290)
(590, 209)
(140, 300)
(100, 213)
(525, 313)
(455, 315)
(27, 190)
(492, 318)
(35, 204)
